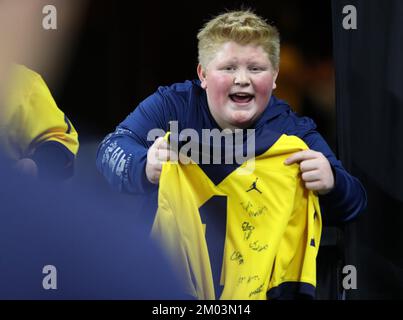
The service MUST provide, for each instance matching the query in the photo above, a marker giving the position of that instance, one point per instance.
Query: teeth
(241, 97)
(242, 94)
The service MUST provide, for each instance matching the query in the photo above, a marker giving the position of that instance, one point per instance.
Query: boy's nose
(241, 79)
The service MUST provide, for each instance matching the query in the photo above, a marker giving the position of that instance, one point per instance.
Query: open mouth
(241, 97)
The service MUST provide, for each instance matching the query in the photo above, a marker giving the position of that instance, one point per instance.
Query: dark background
(369, 95)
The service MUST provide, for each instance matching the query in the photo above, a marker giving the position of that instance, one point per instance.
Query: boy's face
(239, 81)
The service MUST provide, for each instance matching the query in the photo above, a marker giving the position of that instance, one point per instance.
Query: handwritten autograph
(258, 290)
(247, 229)
(257, 247)
(253, 212)
(237, 256)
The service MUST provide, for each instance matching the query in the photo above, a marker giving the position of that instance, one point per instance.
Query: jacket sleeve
(122, 155)
(348, 197)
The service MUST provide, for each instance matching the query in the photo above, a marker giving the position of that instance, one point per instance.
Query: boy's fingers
(161, 143)
(311, 176)
(300, 156)
(308, 165)
(314, 185)
(165, 155)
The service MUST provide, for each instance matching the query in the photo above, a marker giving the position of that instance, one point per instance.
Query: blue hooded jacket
(122, 155)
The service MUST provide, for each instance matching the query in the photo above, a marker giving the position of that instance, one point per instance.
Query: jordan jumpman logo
(253, 187)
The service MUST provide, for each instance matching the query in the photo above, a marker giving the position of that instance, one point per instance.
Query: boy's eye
(255, 69)
(229, 68)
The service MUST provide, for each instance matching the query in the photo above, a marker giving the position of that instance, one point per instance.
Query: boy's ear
(274, 79)
(202, 76)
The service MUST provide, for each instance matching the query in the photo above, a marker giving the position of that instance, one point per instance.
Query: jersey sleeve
(45, 122)
(36, 128)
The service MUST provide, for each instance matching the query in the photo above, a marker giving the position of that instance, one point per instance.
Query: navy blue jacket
(122, 155)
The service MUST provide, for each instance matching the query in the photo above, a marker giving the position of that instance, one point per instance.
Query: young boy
(238, 67)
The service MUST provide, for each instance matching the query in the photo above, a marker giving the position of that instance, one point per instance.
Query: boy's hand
(158, 153)
(316, 170)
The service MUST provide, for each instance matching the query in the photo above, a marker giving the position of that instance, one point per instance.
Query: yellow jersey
(250, 236)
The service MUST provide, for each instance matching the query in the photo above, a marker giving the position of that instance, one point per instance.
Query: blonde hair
(243, 27)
